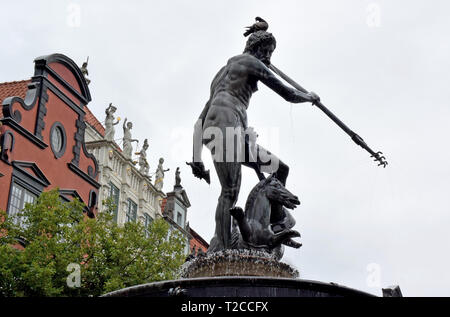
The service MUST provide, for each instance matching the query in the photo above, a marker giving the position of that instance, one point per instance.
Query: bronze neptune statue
(223, 128)
(226, 110)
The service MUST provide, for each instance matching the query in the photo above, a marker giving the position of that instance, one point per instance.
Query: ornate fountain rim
(237, 263)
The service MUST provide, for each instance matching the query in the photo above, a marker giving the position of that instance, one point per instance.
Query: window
(114, 195)
(58, 139)
(179, 214)
(131, 211)
(147, 222)
(19, 197)
(179, 219)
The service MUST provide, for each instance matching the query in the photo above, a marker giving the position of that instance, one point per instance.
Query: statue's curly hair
(258, 38)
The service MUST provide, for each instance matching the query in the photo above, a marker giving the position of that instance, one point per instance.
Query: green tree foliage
(107, 256)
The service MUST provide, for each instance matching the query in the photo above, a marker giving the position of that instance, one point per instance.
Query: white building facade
(133, 193)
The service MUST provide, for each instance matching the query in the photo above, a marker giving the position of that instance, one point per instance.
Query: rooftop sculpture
(159, 175)
(85, 71)
(143, 163)
(127, 140)
(177, 178)
(109, 122)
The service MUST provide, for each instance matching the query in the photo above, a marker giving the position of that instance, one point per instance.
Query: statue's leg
(229, 174)
(269, 163)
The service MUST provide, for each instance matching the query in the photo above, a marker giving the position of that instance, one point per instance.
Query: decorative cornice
(83, 175)
(71, 192)
(80, 144)
(27, 134)
(42, 111)
(181, 196)
(61, 95)
(39, 177)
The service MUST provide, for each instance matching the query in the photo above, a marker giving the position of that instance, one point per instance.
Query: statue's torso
(231, 91)
(126, 134)
(109, 121)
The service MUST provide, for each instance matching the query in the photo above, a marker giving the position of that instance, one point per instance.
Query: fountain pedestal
(237, 273)
(237, 263)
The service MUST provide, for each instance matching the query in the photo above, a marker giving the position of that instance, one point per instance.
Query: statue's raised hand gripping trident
(222, 127)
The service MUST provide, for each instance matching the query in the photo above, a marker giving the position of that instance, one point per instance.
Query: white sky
(381, 66)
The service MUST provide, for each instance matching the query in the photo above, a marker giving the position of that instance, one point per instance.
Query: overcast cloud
(381, 66)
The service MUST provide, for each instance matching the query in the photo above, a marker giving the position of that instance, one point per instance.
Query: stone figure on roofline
(85, 71)
(143, 163)
(159, 175)
(109, 122)
(127, 140)
(177, 178)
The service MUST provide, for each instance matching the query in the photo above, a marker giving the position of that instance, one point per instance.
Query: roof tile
(12, 89)
(93, 122)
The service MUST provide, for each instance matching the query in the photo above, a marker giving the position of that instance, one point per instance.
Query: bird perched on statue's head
(259, 25)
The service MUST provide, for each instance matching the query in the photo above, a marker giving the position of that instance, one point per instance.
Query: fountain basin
(239, 286)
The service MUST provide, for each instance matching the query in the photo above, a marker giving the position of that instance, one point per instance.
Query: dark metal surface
(231, 91)
(239, 287)
(255, 229)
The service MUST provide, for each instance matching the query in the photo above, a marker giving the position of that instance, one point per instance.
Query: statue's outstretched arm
(267, 77)
(289, 94)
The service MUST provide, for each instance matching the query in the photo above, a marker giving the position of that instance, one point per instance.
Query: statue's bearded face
(264, 52)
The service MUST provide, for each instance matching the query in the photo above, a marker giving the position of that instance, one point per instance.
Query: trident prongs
(383, 163)
(381, 159)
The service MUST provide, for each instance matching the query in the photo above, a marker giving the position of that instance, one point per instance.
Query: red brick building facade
(42, 136)
(197, 242)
